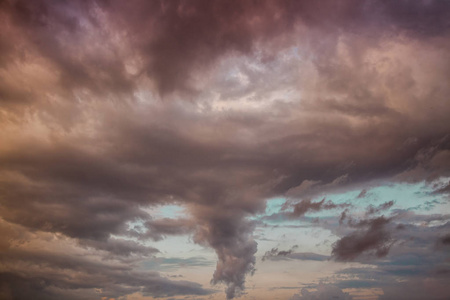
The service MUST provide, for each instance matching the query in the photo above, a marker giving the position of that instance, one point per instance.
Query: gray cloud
(306, 205)
(420, 268)
(120, 247)
(274, 254)
(109, 107)
(445, 240)
(362, 194)
(176, 39)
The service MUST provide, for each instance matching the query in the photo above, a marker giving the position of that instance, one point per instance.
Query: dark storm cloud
(382, 207)
(445, 240)
(275, 254)
(323, 292)
(40, 272)
(119, 247)
(343, 216)
(85, 147)
(87, 198)
(372, 238)
(172, 264)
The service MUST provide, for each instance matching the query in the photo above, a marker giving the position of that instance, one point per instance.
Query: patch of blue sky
(417, 197)
(181, 247)
(295, 52)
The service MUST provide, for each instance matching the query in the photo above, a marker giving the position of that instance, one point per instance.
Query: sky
(224, 149)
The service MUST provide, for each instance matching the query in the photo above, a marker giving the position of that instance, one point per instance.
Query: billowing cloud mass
(371, 235)
(275, 254)
(137, 131)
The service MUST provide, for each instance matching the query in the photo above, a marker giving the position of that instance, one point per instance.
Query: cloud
(159, 228)
(421, 269)
(173, 41)
(273, 253)
(324, 292)
(306, 205)
(384, 206)
(230, 235)
(111, 107)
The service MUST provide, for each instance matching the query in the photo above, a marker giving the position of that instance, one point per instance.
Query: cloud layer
(109, 108)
